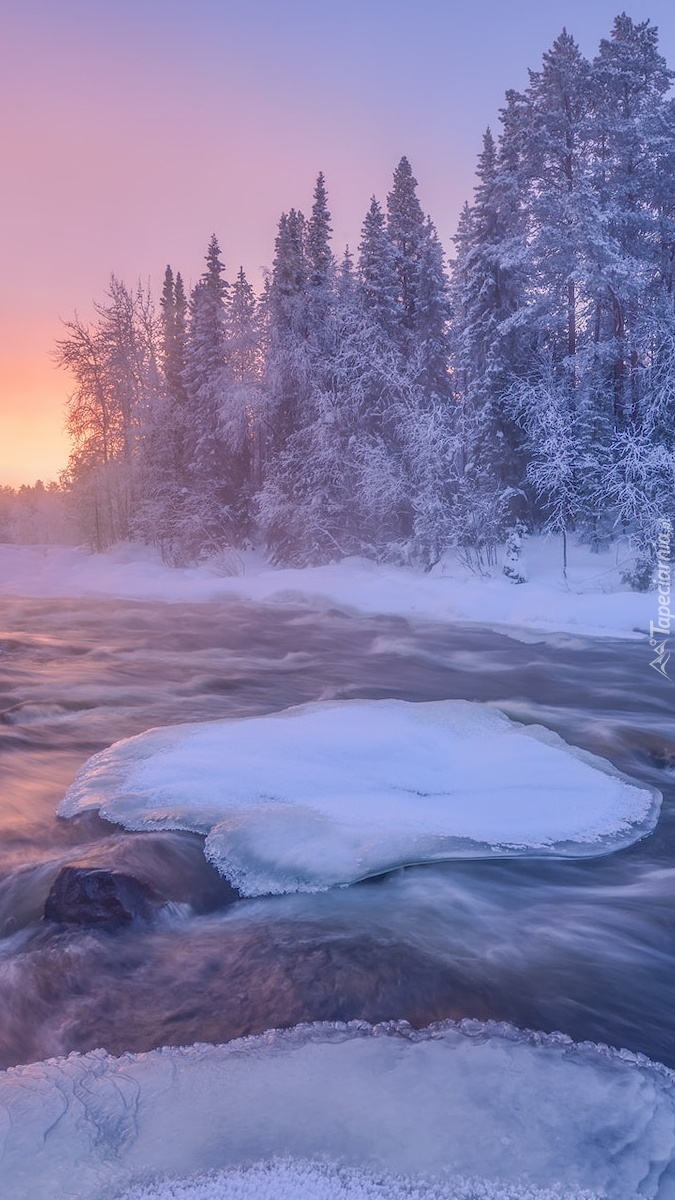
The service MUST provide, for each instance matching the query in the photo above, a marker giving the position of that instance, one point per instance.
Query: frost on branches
(389, 405)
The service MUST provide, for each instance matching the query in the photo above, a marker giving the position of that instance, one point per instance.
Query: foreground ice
(486, 1110)
(330, 793)
(295, 1179)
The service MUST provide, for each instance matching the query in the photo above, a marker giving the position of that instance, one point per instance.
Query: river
(583, 947)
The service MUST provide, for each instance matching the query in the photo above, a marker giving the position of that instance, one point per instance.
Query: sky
(131, 130)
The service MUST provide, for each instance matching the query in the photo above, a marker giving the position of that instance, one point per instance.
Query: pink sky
(133, 130)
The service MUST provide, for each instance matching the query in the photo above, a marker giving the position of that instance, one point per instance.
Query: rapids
(585, 947)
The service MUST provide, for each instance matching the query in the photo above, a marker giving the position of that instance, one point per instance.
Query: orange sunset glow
(33, 441)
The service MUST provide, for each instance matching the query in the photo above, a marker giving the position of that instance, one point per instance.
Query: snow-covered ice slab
(452, 1104)
(296, 1179)
(331, 793)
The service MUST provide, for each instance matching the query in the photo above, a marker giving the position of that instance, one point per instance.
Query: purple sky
(133, 129)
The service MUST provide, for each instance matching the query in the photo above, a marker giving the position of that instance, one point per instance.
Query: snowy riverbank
(593, 600)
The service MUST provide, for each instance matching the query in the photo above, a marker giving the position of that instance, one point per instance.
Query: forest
(395, 404)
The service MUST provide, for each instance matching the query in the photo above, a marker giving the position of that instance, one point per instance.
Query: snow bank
(330, 793)
(458, 1106)
(594, 601)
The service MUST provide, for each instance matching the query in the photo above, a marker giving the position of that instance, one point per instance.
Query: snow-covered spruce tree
(564, 231)
(174, 310)
(342, 478)
(286, 374)
(632, 297)
(421, 309)
(630, 81)
(490, 345)
(405, 228)
(423, 415)
(430, 359)
(561, 213)
(163, 467)
(288, 386)
(242, 422)
(364, 391)
(316, 501)
(399, 385)
(188, 510)
(378, 380)
(585, 156)
(320, 261)
(377, 273)
(210, 517)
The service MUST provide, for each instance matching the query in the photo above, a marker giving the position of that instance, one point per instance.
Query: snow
(457, 1106)
(290, 1179)
(593, 602)
(330, 793)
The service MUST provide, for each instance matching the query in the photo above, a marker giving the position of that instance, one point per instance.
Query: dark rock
(91, 896)
(171, 861)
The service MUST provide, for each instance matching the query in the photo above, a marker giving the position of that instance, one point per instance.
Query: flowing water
(584, 947)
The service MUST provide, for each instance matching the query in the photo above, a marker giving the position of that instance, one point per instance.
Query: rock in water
(91, 896)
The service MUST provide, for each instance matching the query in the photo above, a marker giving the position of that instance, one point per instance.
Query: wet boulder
(98, 897)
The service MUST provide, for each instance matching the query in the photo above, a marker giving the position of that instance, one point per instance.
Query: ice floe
(488, 1110)
(330, 793)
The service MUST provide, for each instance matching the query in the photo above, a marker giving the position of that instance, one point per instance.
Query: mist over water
(584, 947)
